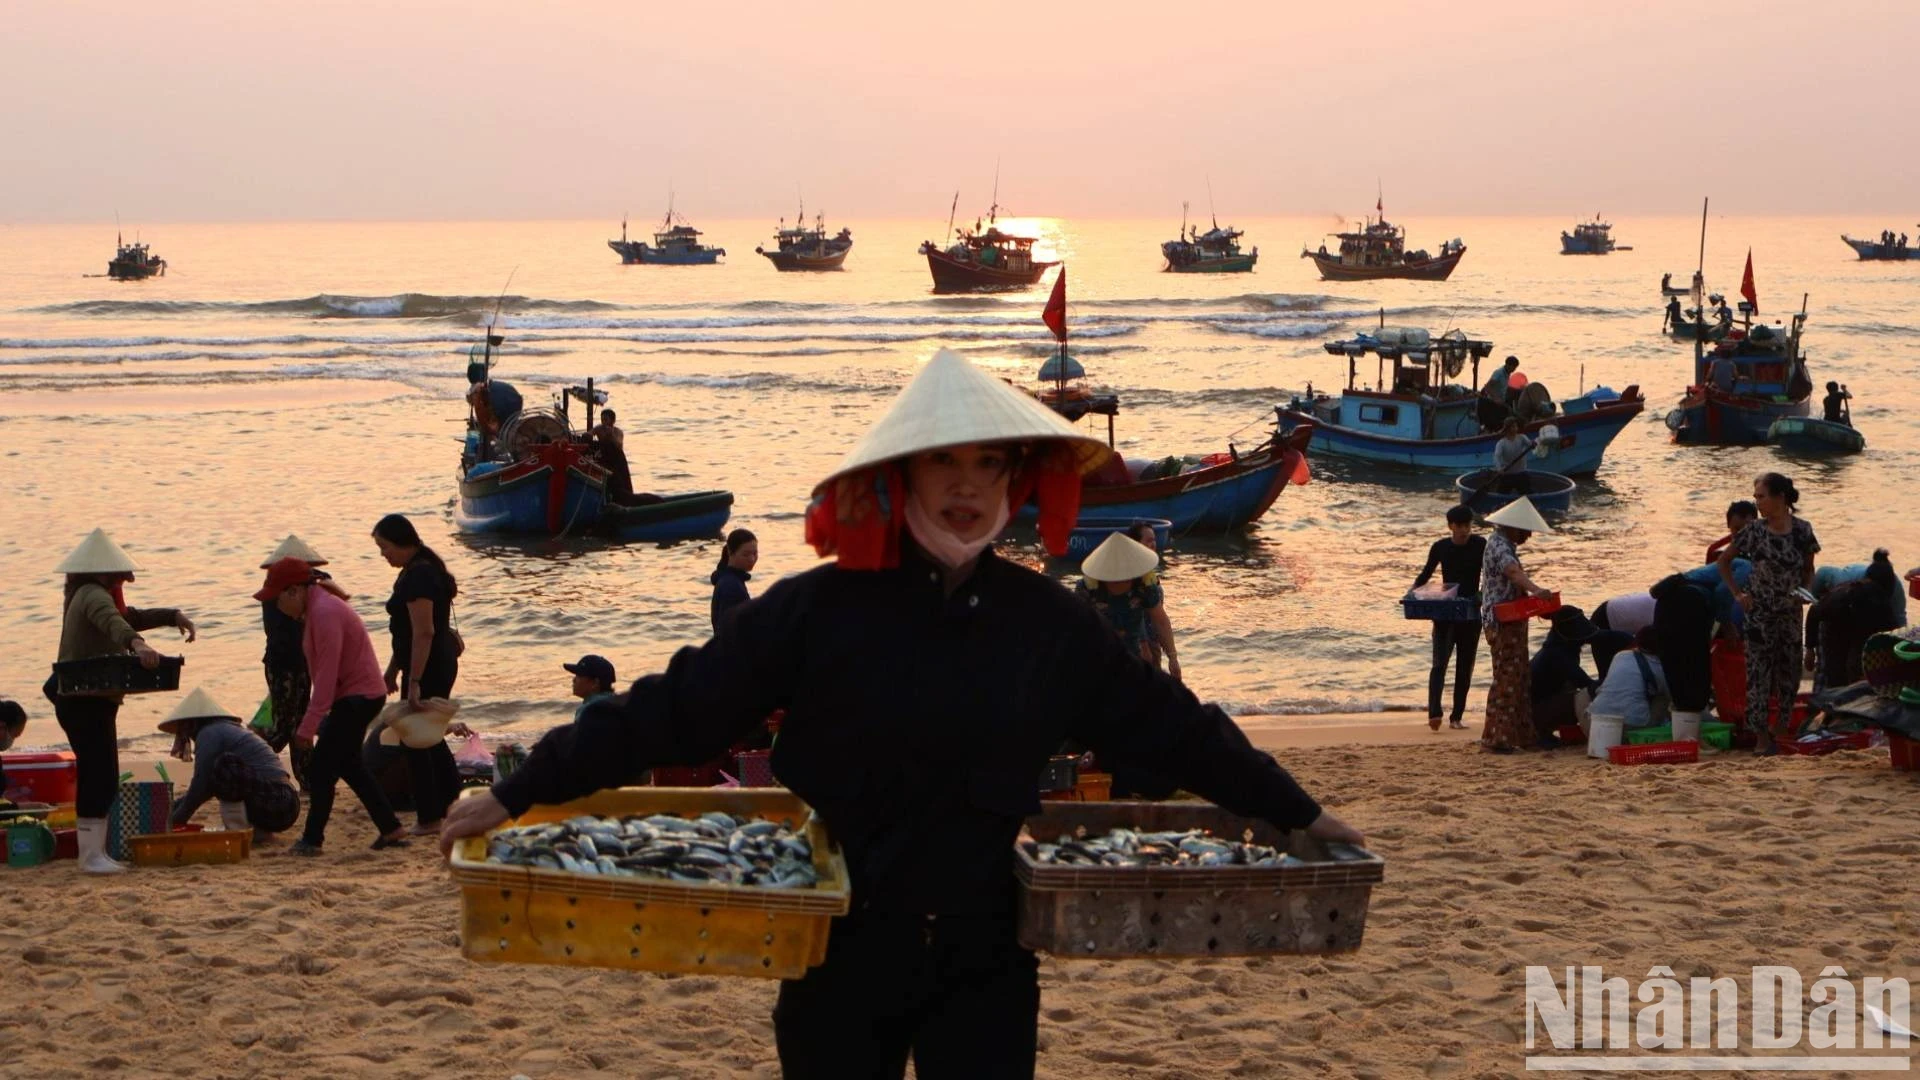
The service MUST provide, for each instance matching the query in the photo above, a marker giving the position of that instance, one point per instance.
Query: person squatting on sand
(285, 663)
(348, 692)
(1458, 558)
(426, 656)
(919, 630)
(1509, 723)
(1781, 546)
(98, 622)
(232, 764)
(1840, 622)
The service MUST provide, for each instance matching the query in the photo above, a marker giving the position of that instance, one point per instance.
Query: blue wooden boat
(551, 489)
(1090, 532)
(1770, 384)
(1426, 421)
(1874, 250)
(1808, 435)
(674, 517)
(1589, 238)
(1548, 491)
(1220, 493)
(673, 245)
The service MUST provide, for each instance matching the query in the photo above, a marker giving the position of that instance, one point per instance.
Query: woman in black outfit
(920, 677)
(1458, 560)
(426, 656)
(737, 558)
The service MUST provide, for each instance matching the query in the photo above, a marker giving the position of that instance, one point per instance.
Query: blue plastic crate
(1454, 610)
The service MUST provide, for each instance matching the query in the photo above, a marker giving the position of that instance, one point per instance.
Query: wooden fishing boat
(1216, 251)
(1547, 491)
(1420, 418)
(1882, 250)
(1378, 250)
(133, 262)
(984, 257)
(673, 245)
(1589, 238)
(674, 517)
(1810, 435)
(801, 248)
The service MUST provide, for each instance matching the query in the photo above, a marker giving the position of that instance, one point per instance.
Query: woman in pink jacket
(349, 690)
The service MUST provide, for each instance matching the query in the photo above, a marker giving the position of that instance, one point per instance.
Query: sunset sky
(423, 109)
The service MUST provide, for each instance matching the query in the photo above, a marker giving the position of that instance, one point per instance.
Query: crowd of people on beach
(1758, 598)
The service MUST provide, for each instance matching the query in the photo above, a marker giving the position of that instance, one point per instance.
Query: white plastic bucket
(1686, 725)
(1605, 731)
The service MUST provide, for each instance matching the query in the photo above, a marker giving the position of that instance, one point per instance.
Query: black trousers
(436, 779)
(1459, 641)
(1683, 623)
(336, 757)
(957, 994)
(89, 724)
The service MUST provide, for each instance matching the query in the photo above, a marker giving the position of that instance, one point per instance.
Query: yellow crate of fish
(190, 848)
(561, 912)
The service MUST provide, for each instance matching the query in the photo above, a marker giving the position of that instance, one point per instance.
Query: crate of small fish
(1121, 879)
(108, 676)
(690, 880)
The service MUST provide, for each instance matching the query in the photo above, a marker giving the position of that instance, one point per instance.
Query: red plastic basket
(756, 768)
(1853, 740)
(1913, 586)
(1683, 752)
(1526, 608)
(1571, 735)
(1905, 752)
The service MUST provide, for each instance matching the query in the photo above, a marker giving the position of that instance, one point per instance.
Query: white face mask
(940, 542)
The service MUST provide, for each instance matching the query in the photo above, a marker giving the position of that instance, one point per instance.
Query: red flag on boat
(1746, 284)
(1055, 313)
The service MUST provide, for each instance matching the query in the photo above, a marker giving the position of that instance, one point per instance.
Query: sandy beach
(349, 965)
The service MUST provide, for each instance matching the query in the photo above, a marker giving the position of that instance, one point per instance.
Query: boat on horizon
(1216, 251)
(801, 248)
(134, 262)
(1417, 417)
(1589, 238)
(1889, 248)
(984, 257)
(673, 245)
(1378, 251)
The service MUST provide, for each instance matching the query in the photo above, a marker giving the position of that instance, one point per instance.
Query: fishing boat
(1547, 491)
(674, 244)
(532, 472)
(1589, 238)
(1890, 247)
(984, 257)
(1762, 376)
(801, 248)
(1216, 251)
(133, 262)
(1418, 417)
(1693, 323)
(1379, 250)
(1808, 435)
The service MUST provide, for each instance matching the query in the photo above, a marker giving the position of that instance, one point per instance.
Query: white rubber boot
(233, 816)
(92, 841)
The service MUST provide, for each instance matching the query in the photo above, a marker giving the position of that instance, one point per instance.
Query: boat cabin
(1766, 361)
(1412, 397)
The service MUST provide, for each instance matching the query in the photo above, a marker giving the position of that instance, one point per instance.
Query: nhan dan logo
(1776, 1021)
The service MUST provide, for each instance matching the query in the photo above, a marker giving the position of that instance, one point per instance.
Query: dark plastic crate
(1455, 609)
(98, 676)
(1060, 774)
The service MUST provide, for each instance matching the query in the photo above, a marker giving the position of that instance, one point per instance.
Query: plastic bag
(262, 721)
(474, 753)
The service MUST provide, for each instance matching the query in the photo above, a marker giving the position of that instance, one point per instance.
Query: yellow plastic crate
(190, 848)
(527, 915)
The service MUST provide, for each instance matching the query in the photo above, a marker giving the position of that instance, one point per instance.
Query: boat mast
(1700, 304)
(952, 210)
(1211, 212)
(993, 209)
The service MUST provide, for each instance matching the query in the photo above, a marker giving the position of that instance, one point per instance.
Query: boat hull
(1719, 419)
(1572, 246)
(954, 274)
(1584, 437)
(1869, 251)
(532, 496)
(1218, 498)
(635, 253)
(1547, 491)
(120, 271)
(1232, 264)
(793, 260)
(1809, 436)
(1439, 269)
(675, 517)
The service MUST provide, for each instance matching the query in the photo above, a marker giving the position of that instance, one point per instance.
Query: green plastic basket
(1717, 736)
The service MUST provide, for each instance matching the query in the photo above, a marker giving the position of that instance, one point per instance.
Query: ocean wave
(326, 305)
(180, 355)
(1285, 330)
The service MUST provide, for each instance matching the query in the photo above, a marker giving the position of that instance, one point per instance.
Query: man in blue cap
(593, 680)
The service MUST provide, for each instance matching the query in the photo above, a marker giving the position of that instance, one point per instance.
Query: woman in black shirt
(426, 656)
(1458, 559)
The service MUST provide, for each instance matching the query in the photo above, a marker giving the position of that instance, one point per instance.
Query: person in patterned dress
(1781, 546)
(1509, 724)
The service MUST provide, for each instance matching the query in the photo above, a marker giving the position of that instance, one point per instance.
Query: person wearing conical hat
(98, 622)
(285, 663)
(1118, 579)
(232, 764)
(926, 681)
(1509, 724)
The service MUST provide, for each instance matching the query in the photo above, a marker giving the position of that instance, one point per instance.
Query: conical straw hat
(1520, 514)
(418, 728)
(1119, 558)
(953, 403)
(198, 705)
(97, 554)
(294, 547)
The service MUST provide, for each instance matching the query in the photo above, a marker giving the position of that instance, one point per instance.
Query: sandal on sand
(1456, 725)
(398, 839)
(1433, 723)
(301, 847)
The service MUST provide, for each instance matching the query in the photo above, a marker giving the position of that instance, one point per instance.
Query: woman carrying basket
(97, 622)
(1509, 725)
(922, 678)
